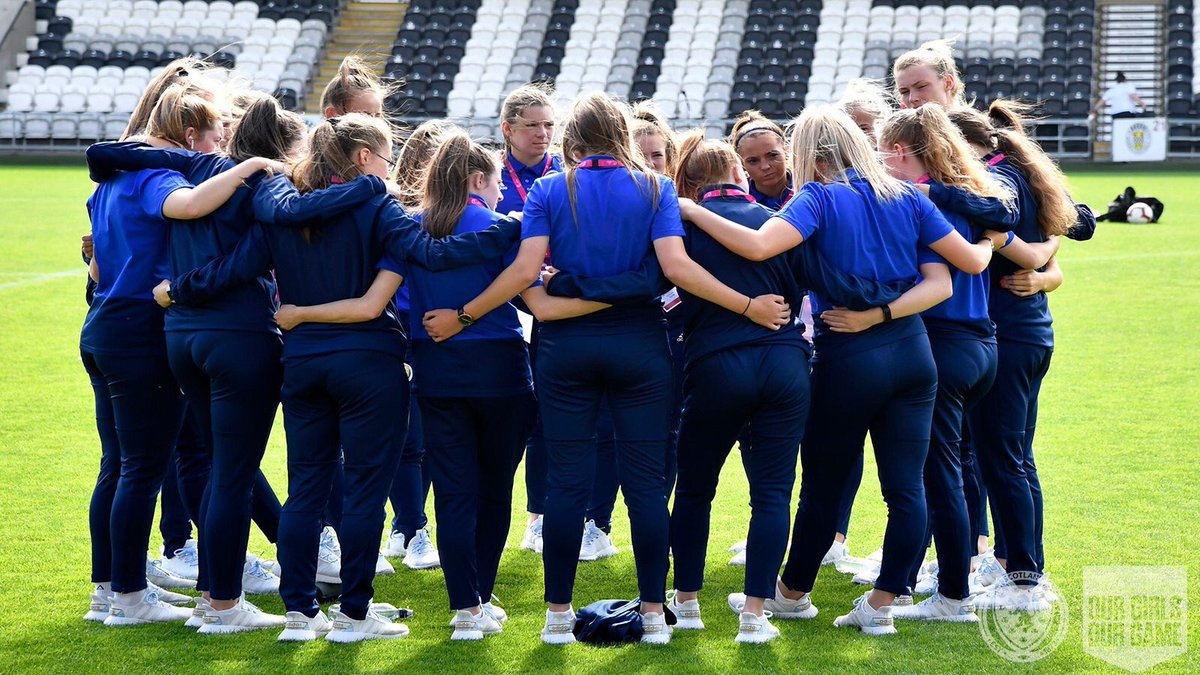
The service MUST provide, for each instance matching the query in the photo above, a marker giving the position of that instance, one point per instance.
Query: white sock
(104, 588)
(130, 598)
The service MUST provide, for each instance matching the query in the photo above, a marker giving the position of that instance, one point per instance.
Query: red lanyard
(923, 180)
(516, 180)
(600, 163)
(996, 159)
(727, 192)
(476, 201)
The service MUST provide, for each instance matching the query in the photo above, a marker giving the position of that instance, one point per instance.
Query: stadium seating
(433, 45)
(93, 58)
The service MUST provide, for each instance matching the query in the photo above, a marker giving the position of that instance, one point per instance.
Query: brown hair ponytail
(600, 125)
(447, 182)
(702, 163)
(413, 161)
(1056, 211)
(180, 109)
(266, 130)
(332, 148)
(927, 130)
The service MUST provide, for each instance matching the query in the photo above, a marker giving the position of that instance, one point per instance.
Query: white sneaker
(257, 579)
(738, 558)
(532, 539)
(158, 576)
(169, 597)
(197, 618)
(1006, 595)
(903, 601)
(468, 626)
(372, 627)
(754, 629)
(779, 606)
(876, 555)
(837, 551)
(687, 614)
(395, 546)
(496, 611)
(938, 608)
(1046, 590)
(990, 572)
(382, 566)
(329, 558)
(559, 628)
(655, 630)
(926, 586)
(300, 628)
(384, 609)
(101, 598)
(869, 621)
(738, 547)
(240, 618)
(869, 576)
(421, 554)
(185, 562)
(145, 608)
(596, 543)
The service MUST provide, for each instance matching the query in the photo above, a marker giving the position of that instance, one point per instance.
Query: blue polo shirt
(868, 237)
(965, 314)
(611, 229)
(1026, 320)
(131, 250)
(514, 173)
(488, 358)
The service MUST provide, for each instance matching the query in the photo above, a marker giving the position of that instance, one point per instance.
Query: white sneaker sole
(423, 566)
(95, 615)
(656, 639)
(172, 582)
(349, 637)
(194, 622)
(567, 638)
(754, 638)
(688, 624)
(392, 553)
(121, 621)
(291, 635)
(603, 553)
(219, 629)
(957, 618)
(867, 630)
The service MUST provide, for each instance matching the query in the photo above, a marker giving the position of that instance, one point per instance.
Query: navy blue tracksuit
(342, 382)
(138, 404)
(882, 381)
(475, 393)
(619, 353)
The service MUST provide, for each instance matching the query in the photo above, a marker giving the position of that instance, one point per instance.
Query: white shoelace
(258, 571)
(189, 555)
(592, 535)
(421, 544)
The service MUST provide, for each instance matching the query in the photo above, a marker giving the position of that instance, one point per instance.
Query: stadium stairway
(363, 27)
(1132, 41)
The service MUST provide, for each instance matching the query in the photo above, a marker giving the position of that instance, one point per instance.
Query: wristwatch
(464, 318)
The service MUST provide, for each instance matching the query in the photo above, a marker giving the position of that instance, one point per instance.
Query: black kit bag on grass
(613, 622)
(1118, 207)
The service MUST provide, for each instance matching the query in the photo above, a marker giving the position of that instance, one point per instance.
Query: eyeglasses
(391, 162)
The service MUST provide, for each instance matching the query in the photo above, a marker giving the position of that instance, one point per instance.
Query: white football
(1139, 213)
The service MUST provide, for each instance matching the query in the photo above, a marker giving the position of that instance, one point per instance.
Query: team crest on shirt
(1137, 137)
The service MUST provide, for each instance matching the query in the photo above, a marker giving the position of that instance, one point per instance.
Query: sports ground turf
(1118, 449)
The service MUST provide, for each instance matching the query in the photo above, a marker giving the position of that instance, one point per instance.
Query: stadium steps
(362, 27)
(1132, 41)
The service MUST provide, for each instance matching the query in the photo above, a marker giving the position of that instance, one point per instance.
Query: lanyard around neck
(516, 180)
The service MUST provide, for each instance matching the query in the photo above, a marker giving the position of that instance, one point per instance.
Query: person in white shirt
(1122, 99)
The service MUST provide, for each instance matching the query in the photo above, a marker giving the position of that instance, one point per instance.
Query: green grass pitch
(1118, 450)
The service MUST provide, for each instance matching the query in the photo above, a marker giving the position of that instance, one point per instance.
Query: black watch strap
(887, 312)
